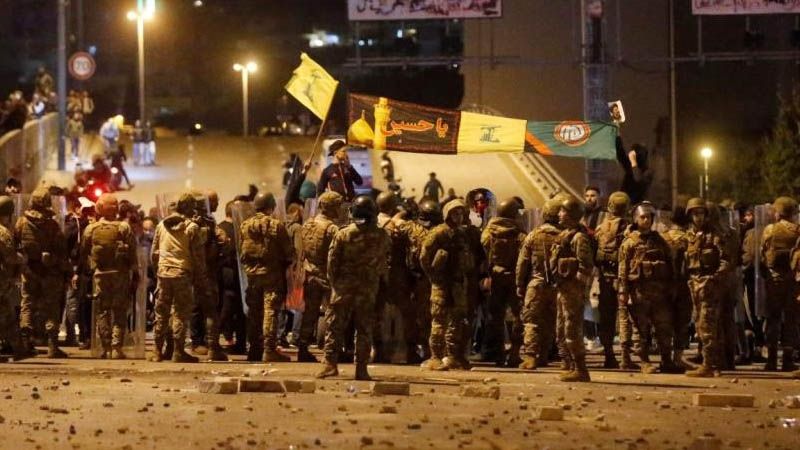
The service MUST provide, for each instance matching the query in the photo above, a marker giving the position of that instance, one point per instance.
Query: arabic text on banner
(576, 139)
(358, 10)
(312, 86)
(480, 133)
(384, 124)
(731, 7)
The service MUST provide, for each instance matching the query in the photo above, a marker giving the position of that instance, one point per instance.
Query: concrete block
(390, 388)
(255, 385)
(549, 413)
(721, 400)
(300, 386)
(218, 387)
(481, 391)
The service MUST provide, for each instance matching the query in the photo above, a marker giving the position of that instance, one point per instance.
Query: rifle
(547, 275)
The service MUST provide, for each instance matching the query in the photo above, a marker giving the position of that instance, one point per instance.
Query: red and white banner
(358, 10)
(730, 7)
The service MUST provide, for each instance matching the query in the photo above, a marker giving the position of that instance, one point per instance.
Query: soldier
(317, 236)
(357, 260)
(446, 260)
(207, 289)
(48, 269)
(706, 262)
(266, 253)
(778, 241)
(645, 267)
(534, 283)
(681, 301)
(733, 285)
(610, 235)
(177, 253)
(571, 261)
(430, 215)
(9, 273)
(108, 249)
(501, 240)
(232, 318)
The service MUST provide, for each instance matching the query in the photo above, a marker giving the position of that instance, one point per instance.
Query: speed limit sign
(81, 66)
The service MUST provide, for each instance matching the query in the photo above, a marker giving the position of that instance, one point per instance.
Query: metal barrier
(24, 153)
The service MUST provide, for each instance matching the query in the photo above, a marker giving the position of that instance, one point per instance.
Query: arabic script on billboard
(725, 7)
(423, 9)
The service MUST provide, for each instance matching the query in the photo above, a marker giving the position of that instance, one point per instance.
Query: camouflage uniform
(645, 267)
(680, 298)
(317, 236)
(357, 260)
(501, 240)
(48, 268)
(207, 289)
(706, 262)
(781, 318)
(109, 250)
(267, 252)
(177, 253)
(416, 233)
(397, 289)
(446, 259)
(9, 274)
(539, 310)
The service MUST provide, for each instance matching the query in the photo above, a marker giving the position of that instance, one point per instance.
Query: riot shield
(763, 216)
(165, 203)
(663, 221)
(240, 212)
(134, 343)
(531, 218)
(310, 208)
(58, 205)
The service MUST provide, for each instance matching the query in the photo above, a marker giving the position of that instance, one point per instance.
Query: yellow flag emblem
(312, 86)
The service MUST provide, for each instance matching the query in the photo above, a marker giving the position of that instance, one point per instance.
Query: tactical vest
(543, 239)
(564, 263)
(109, 250)
(702, 256)
(259, 239)
(504, 249)
(609, 237)
(316, 243)
(648, 262)
(398, 247)
(778, 253)
(677, 242)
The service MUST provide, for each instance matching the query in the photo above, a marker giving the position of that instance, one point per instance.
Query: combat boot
(254, 354)
(303, 355)
(329, 369)
(702, 371)
(677, 359)
(580, 374)
(117, 353)
(528, 363)
(53, 352)
(412, 357)
(157, 355)
(275, 356)
(433, 363)
(610, 361)
(627, 362)
(456, 363)
(772, 359)
(787, 363)
(170, 349)
(215, 353)
(26, 345)
(180, 356)
(513, 359)
(201, 350)
(361, 372)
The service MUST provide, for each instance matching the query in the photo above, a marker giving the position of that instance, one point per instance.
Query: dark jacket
(339, 178)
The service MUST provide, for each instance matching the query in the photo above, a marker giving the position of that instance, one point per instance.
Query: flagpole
(321, 127)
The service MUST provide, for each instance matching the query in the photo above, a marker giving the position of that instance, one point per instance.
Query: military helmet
(509, 208)
(185, 204)
(695, 203)
(785, 206)
(644, 208)
(364, 208)
(618, 203)
(6, 206)
(453, 205)
(430, 211)
(550, 210)
(264, 202)
(573, 207)
(330, 202)
(40, 198)
(387, 202)
(107, 205)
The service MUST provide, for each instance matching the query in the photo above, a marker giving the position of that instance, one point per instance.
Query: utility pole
(673, 108)
(62, 81)
(594, 75)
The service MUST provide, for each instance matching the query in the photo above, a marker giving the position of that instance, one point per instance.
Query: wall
(25, 153)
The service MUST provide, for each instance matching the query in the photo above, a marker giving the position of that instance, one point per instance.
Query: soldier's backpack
(779, 253)
(316, 241)
(504, 249)
(108, 247)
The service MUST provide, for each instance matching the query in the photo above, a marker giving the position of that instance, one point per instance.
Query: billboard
(358, 10)
(727, 7)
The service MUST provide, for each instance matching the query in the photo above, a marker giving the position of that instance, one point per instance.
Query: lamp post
(706, 154)
(141, 14)
(246, 70)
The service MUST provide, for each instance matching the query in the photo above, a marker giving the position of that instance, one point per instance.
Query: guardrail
(24, 153)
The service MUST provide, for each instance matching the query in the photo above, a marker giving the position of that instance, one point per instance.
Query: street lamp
(706, 154)
(246, 70)
(142, 13)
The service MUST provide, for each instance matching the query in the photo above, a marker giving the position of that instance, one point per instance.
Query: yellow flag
(312, 86)
(479, 133)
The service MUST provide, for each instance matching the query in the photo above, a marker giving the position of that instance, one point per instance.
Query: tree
(780, 165)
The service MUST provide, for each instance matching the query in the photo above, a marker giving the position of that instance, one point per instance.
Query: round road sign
(81, 66)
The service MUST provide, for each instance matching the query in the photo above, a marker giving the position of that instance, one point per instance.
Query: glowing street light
(706, 153)
(145, 11)
(246, 70)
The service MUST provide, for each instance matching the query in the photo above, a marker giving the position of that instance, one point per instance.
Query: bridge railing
(24, 153)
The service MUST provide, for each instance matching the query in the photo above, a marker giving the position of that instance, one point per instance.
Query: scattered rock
(481, 391)
(792, 402)
(549, 413)
(706, 443)
(390, 388)
(664, 405)
(218, 387)
(300, 386)
(125, 380)
(388, 409)
(721, 400)
(219, 409)
(366, 440)
(414, 426)
(260, 386)
(59, 411)
(490, 379)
